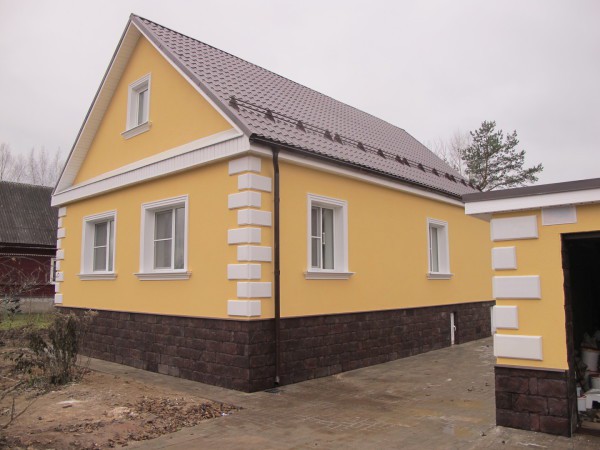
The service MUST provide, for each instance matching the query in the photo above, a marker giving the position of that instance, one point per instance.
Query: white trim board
(170, 165)
(533, 202)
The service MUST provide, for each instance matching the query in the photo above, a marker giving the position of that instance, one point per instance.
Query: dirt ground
(100, 411)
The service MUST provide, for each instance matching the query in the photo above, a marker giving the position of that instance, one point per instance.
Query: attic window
(380, 153)
(327, 135)
(300, 126)
(138, 107)
(338, 139)
(421, 167)
(435, 172)
(451, 177)
(360, 146)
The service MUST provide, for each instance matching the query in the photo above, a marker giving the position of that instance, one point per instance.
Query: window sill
(322, 275)
(439, 276)
(163, 276)
(131, 132)
(97, 276)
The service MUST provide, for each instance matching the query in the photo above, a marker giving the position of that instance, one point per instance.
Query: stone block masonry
(535, 400)
(240, 354)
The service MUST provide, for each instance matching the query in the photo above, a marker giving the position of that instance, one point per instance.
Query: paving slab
(441, 399)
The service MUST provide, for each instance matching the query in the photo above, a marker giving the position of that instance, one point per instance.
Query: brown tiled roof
(26, 216)
(273, 108)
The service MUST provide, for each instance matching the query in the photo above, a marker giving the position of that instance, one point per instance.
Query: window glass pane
(315, 221)
(100, 234)
(142, 115)
(111, 244)
(100, 259)
(163, 225)
(179, 237)
(162, 254)
(328, 262)
(434, 250)
(315, 252)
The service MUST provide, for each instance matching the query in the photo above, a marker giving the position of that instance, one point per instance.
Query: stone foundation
(241, 354)
(535, 400)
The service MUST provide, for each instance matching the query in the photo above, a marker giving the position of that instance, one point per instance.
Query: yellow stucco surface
(206, 292)
(388, 250)
(542, 256)
(178, 114)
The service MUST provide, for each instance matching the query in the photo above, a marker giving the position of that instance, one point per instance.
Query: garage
(545, 257)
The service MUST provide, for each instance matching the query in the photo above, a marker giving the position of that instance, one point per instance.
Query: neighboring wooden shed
(28, 227)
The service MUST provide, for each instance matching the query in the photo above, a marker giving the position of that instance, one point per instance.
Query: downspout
(276, 261)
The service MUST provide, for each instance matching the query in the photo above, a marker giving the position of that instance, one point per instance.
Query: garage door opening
(581, 266)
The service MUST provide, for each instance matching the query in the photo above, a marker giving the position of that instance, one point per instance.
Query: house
(239, 229)
(545, 256)
(28, 227)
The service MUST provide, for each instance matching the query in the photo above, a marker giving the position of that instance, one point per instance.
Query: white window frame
(340, 241)
(148, 222)
(133, 126)
(443, 250)
(87, 271)
(53, 269)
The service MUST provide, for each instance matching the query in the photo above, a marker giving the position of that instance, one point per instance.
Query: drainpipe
(276, 261)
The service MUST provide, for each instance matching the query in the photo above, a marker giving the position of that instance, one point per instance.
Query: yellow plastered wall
(388, 249)
(206, 292)
(542, 256)
(177, 112)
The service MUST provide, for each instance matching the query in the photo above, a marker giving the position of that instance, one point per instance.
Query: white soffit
(511, 228)
(506, 317)
(559, 215)
(520, 287)
(519, 347)
(534, 201)
(504, 258)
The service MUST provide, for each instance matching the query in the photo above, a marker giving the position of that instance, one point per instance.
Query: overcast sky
(429, 67)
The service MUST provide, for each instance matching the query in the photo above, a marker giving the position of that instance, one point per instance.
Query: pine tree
(493, 161)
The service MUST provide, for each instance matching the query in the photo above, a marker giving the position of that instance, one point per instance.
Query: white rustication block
(58, 298)
(243, 271)
(244, 236)
(519, 347)
(62, 211)
(254, 253)
(254, 217)
(246, 199)
(245, 164)
(514, 228)
(504, 258)
(253, 181)
(506, 317)
(244, 308)
(522, 287)
(559, 215)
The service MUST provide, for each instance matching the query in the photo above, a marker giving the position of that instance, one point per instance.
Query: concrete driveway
(442, 399)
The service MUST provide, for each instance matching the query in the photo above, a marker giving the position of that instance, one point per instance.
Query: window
(164, 240)
(98, 246)
(437, 239)
(327, 238)
(53, 269)
(138, 107)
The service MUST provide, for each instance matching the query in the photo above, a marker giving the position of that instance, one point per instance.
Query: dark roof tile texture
(26, 216)
(225, 76)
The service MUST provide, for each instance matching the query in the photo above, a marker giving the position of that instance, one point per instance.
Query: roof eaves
(273, 142)
(139, 23)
